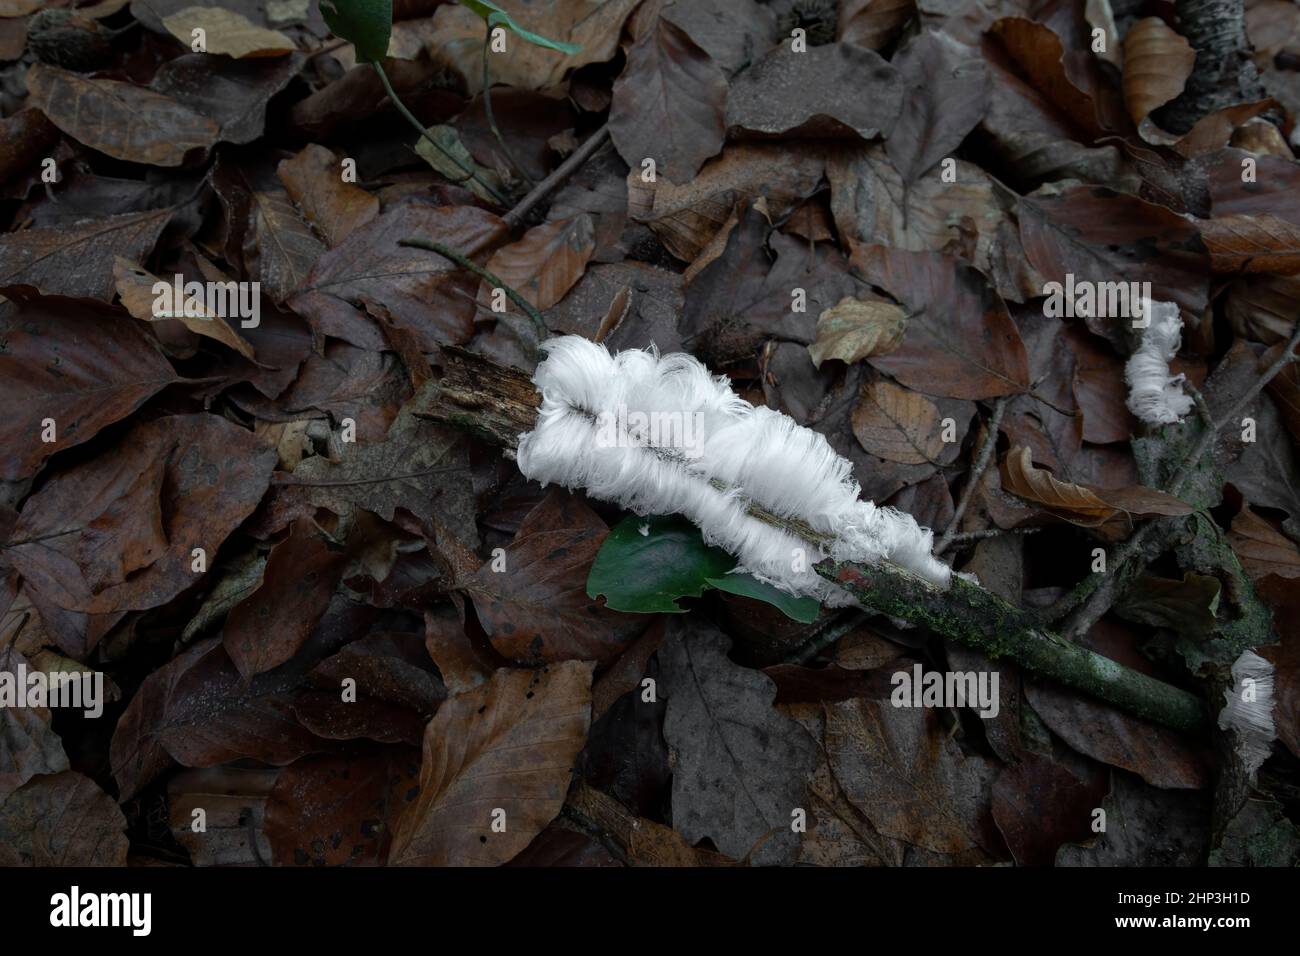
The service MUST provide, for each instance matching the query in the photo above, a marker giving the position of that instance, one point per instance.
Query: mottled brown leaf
(78, 260)
(120, 119)
(509, 745)
(314, 179)
(61, 820)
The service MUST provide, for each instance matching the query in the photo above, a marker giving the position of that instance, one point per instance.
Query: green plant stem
(466, 263)
(499, 404)
(492, 122)
(1095, 595)
(410, 118)
(980, 619)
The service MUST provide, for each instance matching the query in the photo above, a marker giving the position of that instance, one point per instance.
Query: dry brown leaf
(594, 25)
(1083, 505)
(898, 424)
(853, 329)
(687, 217)
(1040, 54)
(545, 263)
(19, 8)
(122, 120)
(1077, 503)
(1262, 550)
(508, 745)
(874, 23)
(669, 102)
(135, 285)
(315, 182)
(280, 249)
(78, 260)
(226, 33)
(1252, 244)
(1157, 62)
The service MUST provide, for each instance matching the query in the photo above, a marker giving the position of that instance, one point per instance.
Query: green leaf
(801, 609)
(367, 24)
(646, 564)
(494, 16)
(449, 139)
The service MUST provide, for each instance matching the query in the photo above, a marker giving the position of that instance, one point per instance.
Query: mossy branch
(500, 403)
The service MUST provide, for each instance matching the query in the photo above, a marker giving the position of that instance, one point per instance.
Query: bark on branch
(499, 404)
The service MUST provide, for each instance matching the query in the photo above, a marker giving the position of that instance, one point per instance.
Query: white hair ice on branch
(1155, 396)
(731, 460)
(1248, 709)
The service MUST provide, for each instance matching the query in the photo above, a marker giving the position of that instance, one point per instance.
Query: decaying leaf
(226, 32)
(854, 329)
(120, 119)
(496, 767)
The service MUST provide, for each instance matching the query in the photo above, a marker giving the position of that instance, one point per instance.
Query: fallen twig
(500, 403)
(556, 179)
(1095, 595)
(982, 459)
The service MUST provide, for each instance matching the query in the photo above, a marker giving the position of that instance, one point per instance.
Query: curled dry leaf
(508, 745)
(874, 24)
(1261, 549)
(854, 328)
(135, 286)
(1157, 62)
(1083, 505)
(226, 32)
(120, 119)
(1040, 55)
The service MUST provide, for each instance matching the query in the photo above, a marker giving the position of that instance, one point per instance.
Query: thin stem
(487, 109)
(478, 270)
(965, 537)
(410, 118)
(977, 471)
(836, 629)
(552, 182)
(500, 404)
(1094, 596)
